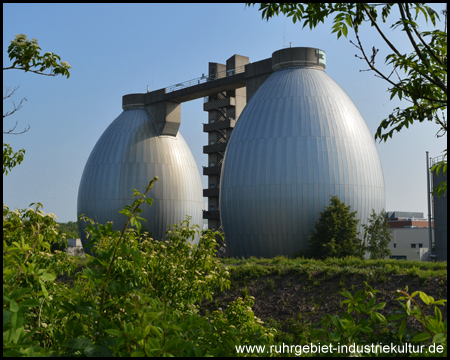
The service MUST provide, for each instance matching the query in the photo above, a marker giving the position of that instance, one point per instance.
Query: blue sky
(118, 49)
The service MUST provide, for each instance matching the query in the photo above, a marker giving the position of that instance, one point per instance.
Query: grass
(251, 268)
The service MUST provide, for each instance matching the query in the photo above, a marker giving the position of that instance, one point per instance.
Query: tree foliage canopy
(70, 229)
(418, 77)
(26, 56)
(335, 233)
(377, 235)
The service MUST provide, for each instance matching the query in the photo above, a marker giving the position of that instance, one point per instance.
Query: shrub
(136, 297)
(335, 233)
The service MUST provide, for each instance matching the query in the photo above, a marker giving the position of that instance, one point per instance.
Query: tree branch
(435, 81)
(10, 131)
(25, 69)
(9, 113)
(419, 96)
(9, 94)
(374, 23)
(430, 51)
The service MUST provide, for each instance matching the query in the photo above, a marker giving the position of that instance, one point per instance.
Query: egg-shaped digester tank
(299, 140)
(127, 156)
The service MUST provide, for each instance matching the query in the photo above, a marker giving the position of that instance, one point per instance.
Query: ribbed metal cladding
(299, 140)
(127, 156)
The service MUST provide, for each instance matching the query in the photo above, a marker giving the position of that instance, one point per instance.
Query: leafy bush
(364, 325)
(29, 271)
(136, 297)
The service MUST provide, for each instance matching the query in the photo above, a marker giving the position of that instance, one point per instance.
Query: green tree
(377, 235)
(70, 229)
(335, 233)
(11, 158)
(26, 55)
(419, 77)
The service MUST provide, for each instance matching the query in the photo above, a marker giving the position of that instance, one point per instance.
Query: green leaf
(344, 30)
(137, 353)
(134, 222)
(113, 332)
(379, 317)
(401, 329)
(425, 298)
(13, 306)
(17, 294)
(98, 351)
(30, 303)
(6, 316)
(379, 306)
(47, 277)
(19, 333)
(79, 343)
(371, 302)
(12, 353)
(396, 317)
(439, 338)
(438, 314)
(440, 302)
(366, 329)
(421, 337)
(126, 212)
(137, 258)
(346, 294)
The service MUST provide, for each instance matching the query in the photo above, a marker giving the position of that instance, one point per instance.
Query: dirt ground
(283, 297)
(291, 296)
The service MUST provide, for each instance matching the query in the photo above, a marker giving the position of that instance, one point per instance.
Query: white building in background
(409, 244)
(409, 235)
(75, 247)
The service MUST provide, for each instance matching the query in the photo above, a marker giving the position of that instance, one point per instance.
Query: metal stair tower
(223, 110)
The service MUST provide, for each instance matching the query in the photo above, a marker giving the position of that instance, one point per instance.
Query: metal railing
(205, 78)
(219, 96)
(437, 159)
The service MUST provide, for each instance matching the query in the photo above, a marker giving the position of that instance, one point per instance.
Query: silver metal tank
(439, 214)
(127, 156)
(299, 140)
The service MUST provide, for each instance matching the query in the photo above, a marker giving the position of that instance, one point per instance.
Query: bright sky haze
(118, 49)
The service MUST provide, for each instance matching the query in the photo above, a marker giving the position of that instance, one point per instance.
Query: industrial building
(404, 219)
(439, 211)
(410, 244)
(282, 138)
(410, 235)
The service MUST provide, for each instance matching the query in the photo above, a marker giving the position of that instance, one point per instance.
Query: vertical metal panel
(440, 218)
(127, 156)
(301, 128)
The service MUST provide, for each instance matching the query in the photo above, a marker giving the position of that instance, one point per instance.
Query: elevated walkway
(164, 104)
